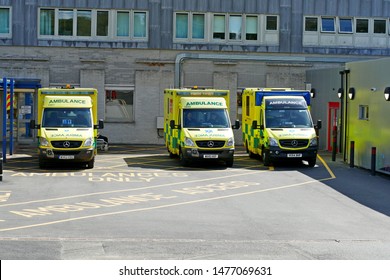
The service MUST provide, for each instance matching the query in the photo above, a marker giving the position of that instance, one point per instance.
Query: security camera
(373, 89)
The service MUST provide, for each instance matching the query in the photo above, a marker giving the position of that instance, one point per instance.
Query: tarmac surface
(137, 203)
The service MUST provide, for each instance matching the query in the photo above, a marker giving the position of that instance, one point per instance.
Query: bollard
(334, 140)
(1, 167)
(352, 154)
(373, 160)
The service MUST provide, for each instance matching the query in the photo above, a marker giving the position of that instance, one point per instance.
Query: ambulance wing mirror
(33, 125)
(100, 125)
(236, 124)
(172, 124)
(255, 126)
(319, 124)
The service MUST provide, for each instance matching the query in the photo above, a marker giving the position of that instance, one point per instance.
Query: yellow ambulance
(197, 125)
(67, 125)
(277, 125)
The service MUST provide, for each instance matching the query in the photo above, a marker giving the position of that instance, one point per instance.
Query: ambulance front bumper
(203, 154)
(81, 155)
(278, 153)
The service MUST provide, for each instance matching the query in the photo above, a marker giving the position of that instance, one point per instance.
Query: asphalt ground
(137, 203)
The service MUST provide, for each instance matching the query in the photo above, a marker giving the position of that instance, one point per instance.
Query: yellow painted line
(326, 167)
(127, 190)
(158, 207)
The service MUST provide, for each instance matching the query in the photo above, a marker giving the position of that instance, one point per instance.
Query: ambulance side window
(261, 118)
(247, 107)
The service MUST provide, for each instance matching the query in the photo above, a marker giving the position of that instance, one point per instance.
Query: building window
(219, 27)
(328, 24)
(46, 22)
(345, 25)
(272, 23)
(361, 25)
(181, 26)
(102, 23)
(140, 23)
(123, 24)
(119, 105)
(379, 26)
(251, 28)
(84, 23)
(363, 112)
(65, 22)
(311, 24)
(98, 24)
(5, 21)
(235, 27)
(198, 25)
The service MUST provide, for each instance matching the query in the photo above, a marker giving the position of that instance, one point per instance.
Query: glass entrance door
(25, 110)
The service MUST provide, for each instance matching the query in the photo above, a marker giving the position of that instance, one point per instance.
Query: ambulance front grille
(294, 143)
(66, 144)
(210, 144)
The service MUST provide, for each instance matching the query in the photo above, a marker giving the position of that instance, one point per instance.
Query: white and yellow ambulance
(67, 125)
(197, 125)
(277, 125)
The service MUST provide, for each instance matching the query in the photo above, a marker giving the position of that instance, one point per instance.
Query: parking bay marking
(161, 206)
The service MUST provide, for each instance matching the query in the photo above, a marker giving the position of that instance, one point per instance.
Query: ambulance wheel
(312, 161)
(42, 164)
(265, 156)
(183, 160)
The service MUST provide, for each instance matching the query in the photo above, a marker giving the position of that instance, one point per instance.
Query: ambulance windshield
(67, 117)
(290, 118)
(205, 118)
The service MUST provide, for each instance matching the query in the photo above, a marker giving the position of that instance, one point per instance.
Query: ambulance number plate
(294, 155)
(210, 156)
(66, 157)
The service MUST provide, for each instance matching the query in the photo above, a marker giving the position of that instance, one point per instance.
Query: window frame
(111, 27)
(334, 24)
(356, 25)
(375, 20)
(9, 33)
(306, 25)
(190, 27)
(350, 19)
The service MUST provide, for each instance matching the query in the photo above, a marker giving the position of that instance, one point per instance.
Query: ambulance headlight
(273, 142)
(88, 142)
(230, 142)
(43, 142)
(313, 142)
(189, 142)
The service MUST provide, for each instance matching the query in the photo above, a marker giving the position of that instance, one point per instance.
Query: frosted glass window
(219, 27)
(140, 24)
(46, 22)
(198, 26)
(123, 24)
(251, 28)
(181, 26)
(235, 27)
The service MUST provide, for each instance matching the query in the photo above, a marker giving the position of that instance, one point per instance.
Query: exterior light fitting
(351, 93)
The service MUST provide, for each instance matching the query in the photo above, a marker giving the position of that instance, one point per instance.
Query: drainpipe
(264, 58)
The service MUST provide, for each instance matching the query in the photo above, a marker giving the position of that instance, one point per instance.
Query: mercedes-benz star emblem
(294, 143)
(66, 144)
(210, 144)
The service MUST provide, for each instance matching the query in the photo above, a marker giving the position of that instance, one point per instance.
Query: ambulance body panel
(197, 125)
(277, 125)
(67, 125)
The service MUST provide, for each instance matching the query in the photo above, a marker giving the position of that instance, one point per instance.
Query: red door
(333, 111)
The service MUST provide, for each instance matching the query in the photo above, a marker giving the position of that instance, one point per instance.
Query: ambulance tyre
(42, 163)
(312, 161)
(265, 157)
(183, 160)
